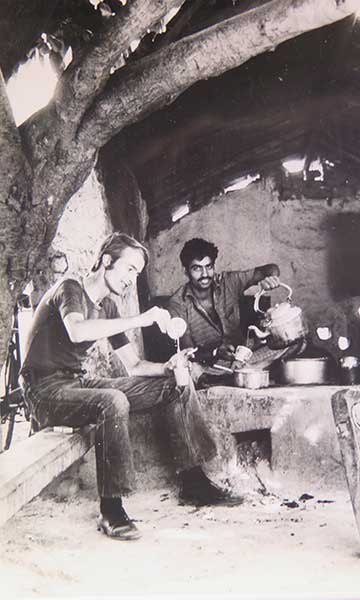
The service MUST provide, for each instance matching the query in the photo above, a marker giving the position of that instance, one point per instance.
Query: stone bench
(30, 465)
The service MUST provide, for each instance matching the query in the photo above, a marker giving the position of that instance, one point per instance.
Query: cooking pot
(251, 378)
(305, 371)
(282, 323)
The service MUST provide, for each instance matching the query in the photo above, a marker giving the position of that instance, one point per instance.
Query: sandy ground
(266, 548)
(262, 549)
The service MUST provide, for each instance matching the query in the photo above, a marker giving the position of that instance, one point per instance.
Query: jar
(349, 370)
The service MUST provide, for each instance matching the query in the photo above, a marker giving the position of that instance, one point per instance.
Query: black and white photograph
(180, 299)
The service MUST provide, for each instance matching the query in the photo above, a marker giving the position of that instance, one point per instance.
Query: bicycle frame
(13, 402)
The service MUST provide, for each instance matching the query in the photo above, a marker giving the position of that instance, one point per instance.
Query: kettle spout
(260, 334)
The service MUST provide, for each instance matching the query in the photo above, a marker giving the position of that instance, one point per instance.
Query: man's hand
(180, 359)
(225, 352)
(269, 283)
(156, 315)
(197, 370)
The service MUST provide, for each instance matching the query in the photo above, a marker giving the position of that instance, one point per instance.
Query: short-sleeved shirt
(203, 331)
(48, 345)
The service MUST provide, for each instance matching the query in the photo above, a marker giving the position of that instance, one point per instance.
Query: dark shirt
(204, 331)
(48, 345)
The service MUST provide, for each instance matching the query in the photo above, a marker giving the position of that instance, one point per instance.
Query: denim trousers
(77, 400)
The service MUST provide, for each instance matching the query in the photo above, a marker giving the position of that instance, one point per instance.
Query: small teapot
(283, 322)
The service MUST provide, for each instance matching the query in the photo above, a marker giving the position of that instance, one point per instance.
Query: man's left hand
(269, 283)
(180, 359)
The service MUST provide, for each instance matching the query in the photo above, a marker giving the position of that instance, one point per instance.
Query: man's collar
(96, 303)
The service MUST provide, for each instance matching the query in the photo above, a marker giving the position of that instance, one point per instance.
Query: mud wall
(313, 241)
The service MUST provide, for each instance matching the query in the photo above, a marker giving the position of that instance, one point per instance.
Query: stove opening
(253, 447)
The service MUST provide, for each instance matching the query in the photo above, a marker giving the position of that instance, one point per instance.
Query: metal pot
(284, 323)
(251, 378)
(305, 371)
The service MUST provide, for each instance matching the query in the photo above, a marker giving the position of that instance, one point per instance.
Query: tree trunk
(15, 183)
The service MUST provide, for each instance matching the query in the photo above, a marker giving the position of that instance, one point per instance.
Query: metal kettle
(282, 323)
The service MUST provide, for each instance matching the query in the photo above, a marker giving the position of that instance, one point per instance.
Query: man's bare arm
(90, 330)
(137, 366)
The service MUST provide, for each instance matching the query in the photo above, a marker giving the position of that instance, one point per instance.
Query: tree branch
(86, 78)
(158, 79)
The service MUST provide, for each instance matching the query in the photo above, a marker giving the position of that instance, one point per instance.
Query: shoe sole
(126, 536)
(230, 502)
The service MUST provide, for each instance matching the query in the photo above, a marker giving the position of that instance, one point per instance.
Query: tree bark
(158, 79)
(15, 183)
(89, 75)
(86, 77)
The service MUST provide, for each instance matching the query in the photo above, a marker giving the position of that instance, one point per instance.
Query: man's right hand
(225, 352)
(156, 315)
(269, 283)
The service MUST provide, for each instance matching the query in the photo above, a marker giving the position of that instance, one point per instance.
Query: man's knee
(115, 403)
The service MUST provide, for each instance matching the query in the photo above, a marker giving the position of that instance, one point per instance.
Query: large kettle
(282, 323)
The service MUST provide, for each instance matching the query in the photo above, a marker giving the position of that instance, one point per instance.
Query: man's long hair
(114, 245)
(197, 248)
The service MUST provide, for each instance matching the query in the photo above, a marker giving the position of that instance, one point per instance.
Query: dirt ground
(262, 549)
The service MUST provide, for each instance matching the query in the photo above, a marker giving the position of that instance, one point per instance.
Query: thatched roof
(304, 98)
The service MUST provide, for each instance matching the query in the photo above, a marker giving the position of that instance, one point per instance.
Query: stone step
(30, 465)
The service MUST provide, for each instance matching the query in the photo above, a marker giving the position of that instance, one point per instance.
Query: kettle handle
(259, 294)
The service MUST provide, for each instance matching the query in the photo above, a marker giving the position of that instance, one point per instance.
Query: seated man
(209, 303)
(71, 316)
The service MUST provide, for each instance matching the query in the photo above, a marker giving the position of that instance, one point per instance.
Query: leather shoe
(118, 529)
(208, 495)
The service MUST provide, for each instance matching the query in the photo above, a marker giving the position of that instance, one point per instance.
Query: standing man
(209, 301)
(71, 316)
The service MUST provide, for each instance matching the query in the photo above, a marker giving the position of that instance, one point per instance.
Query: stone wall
(82, 228)
(313, 241)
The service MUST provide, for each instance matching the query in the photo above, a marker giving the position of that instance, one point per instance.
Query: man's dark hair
(197, 248)
(114, 244)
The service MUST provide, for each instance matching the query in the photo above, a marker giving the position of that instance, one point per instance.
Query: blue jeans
(77, 400)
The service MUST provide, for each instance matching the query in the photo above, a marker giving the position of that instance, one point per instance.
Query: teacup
(243, 354)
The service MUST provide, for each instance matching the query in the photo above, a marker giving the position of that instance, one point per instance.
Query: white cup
(243, 354)
(176, 328)
(182, 375)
